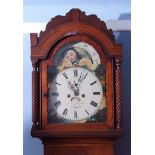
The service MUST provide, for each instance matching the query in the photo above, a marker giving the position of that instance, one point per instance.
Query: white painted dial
(76, 94)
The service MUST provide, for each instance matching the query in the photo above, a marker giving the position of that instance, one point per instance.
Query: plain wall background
(43, 11)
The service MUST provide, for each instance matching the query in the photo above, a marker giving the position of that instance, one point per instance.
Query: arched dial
(76, 94)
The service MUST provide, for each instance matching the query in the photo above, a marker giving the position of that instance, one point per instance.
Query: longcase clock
(76, 86)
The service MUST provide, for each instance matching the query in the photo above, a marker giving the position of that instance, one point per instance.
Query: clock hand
(72, 87)
(76, 84)
(83, 75)
(80, 79)
(76, 92)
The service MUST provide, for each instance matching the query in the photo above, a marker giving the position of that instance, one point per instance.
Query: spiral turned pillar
(35, 95)
(118, 93)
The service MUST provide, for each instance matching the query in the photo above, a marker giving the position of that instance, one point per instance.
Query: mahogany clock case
(76, 31)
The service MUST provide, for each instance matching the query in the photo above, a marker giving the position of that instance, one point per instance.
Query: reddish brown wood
(35, 95)
(64, 26)
(76, 16)
(79, 146)
(109, 94)
(118, 90)
(47, 134)
(34, 39)
(106, 148)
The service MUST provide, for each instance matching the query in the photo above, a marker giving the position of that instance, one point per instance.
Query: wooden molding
(75, 16)
(74, 23)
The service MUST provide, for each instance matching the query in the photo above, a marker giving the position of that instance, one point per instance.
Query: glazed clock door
(76, 84)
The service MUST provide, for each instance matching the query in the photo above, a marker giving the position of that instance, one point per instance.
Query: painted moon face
(71, 55)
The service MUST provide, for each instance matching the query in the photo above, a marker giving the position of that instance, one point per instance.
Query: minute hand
(81, 78)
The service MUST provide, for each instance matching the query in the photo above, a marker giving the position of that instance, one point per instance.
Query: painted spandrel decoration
(77, 69)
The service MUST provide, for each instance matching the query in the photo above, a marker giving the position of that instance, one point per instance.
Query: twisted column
(35, 95)
(118, 93)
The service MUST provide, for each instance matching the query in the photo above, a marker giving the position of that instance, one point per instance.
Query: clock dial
(75, 94)
(76, 78)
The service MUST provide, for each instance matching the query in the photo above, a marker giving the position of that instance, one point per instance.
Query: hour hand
(76, 91)
(79, 80)
(76, 84)
(71, 86)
